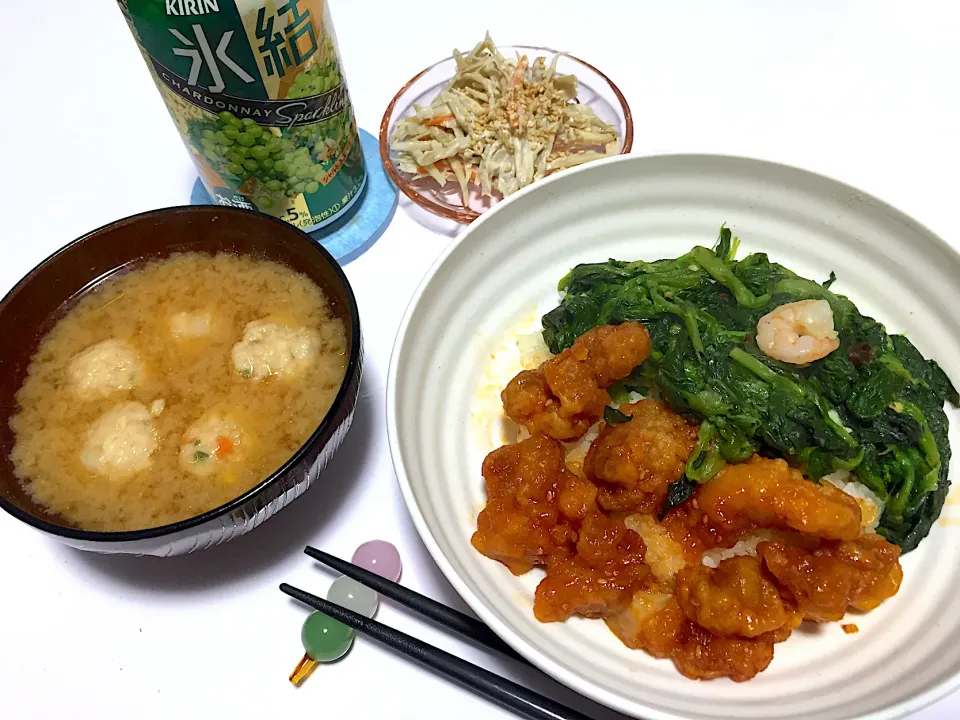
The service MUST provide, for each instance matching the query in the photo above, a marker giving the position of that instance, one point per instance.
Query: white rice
(577, 450)
(664, 555)
(533, 350)
(746, 546)
(871, 506)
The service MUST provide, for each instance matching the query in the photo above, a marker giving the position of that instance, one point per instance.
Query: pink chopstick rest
(380, 557)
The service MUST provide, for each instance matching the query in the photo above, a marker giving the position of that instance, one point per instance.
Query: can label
(256, 91)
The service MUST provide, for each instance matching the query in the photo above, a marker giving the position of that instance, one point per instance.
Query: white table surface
(864, 91)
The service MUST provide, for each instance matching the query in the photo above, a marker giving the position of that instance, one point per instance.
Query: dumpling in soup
(269, 348)
(190, 325)
(104, 368)
(210, 444)
(121, 441)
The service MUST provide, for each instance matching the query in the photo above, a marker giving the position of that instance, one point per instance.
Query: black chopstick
(521, 700)
(455, 620)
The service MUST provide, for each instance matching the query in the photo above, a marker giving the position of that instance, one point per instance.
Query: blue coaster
(362, 225)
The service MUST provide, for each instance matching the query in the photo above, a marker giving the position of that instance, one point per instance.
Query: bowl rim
(489, 617)
(353, 364)
(466, 215)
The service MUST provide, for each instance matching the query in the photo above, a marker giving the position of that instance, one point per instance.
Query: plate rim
(587, 688)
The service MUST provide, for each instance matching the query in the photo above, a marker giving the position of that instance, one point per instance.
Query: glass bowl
(595, 90)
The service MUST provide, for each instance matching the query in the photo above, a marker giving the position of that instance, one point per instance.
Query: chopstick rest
(326, 639)
(521, 700)
(380, 558)
(454, 620)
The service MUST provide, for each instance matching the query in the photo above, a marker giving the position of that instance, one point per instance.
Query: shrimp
(798, 332)
(765, 492)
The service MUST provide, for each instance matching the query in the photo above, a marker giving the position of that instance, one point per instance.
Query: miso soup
(174, 388)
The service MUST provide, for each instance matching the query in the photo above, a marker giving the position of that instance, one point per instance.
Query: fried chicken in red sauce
(567, 394)
(613, 351)
(530, 402)
(737, 598)
(533, 505)
(814, 562)
(522, 537)
(528, 469)
(655, 623)
(652, 623)
(769, 493)
(577, 497)
(634, 462)
(696, 532)
(600, 579)
(830, 577)
(702, 655)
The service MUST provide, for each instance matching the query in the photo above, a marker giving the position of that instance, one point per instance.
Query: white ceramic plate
(456, 349)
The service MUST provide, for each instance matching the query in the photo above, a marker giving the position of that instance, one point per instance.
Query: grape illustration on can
(256, 91)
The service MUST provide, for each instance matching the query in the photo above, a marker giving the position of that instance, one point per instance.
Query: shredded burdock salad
(501, 124)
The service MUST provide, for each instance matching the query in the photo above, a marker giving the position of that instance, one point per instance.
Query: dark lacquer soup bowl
(32, 307)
